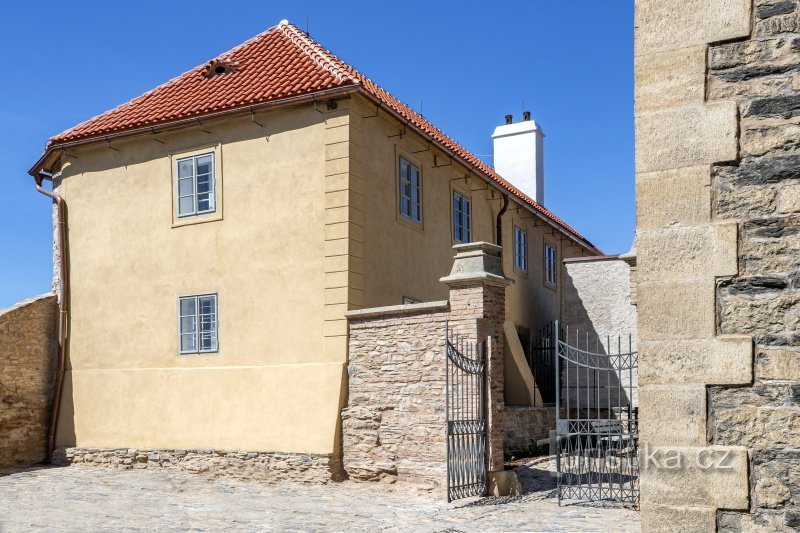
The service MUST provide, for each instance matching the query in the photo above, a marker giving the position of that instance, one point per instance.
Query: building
(221, 225)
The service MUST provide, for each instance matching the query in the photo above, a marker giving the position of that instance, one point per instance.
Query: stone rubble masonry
(525, 426)
(761, 191)
(261, 466)
(683, 249)
(28, 353)
(393, 426)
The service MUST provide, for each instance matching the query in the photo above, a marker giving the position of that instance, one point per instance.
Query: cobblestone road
(91, 499)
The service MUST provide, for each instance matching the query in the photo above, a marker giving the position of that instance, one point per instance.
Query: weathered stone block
(663, 519)
(676, 310)
(672, 415)
(718, 360)
(744, 201)
(777, 7)
(751, 88)
(687, 252)
(669, 25)
(714, 476)
(778, 363)
(770, 245)
(707, 134)
(759, 304)
(783, 106)
(789, 198)
(758, 427)
(761, 170)
(672, 78)
(670, 197)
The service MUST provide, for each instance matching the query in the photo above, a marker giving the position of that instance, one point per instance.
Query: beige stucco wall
(404, 259)
(273, 385)
(306, 228)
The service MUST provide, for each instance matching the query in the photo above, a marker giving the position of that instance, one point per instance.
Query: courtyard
(92, 499)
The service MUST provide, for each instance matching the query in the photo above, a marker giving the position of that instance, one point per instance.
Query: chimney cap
(526, 115)
(509, 119)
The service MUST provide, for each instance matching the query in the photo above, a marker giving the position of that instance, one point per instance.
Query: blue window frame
(195, 185)
(462, 224)
(520, 249)
(410, 191)
(550, 265)
(197, 324)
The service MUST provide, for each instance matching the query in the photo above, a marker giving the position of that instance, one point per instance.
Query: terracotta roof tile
(278, 63)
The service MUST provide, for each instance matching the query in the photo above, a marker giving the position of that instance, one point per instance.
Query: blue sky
(466, 63)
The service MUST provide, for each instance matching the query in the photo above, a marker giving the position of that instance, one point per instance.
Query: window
(195, 185)
(520, 249)
(410, 201)
(550, 269)
(197, 322)
(462, 228)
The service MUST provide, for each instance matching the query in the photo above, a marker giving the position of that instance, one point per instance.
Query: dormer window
(217, 67)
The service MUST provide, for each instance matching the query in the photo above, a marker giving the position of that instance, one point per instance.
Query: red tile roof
(279, 63)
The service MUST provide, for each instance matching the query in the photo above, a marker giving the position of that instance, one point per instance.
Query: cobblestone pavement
(95, 498)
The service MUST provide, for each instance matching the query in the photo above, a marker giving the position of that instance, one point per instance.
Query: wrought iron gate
(542, 362)
(465, 401)
(597, 418)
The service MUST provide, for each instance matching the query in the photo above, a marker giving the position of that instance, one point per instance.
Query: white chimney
(518, 155)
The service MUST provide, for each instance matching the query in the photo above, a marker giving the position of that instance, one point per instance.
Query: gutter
(41, 164)
(63, 281)
(493, 184)
(284, 102)
(499, 240)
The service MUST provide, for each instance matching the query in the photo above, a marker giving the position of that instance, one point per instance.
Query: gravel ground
(94, 498)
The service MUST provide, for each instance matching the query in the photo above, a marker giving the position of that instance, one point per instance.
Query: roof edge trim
(273, 104)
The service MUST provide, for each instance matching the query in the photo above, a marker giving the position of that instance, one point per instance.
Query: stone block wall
(761, 191)
(685, 250)
(718, 168)
(28, 352)
(394, 424)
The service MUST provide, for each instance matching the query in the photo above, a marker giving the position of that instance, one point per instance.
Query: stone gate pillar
(477, 312)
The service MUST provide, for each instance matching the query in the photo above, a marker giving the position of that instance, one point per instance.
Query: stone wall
(524, 426)
(28, 353)
(394, 424)
(762, 192)
(684, 249)
(262, 466)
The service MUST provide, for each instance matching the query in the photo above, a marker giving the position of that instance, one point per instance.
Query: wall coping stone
(405, 309)
(27, 302)
(594, 258)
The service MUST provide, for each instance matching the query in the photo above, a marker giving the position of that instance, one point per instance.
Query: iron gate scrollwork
(465, 397)
(597, 418)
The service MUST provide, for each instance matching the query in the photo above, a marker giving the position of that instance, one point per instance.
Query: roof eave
(47, 159)
(491, 182)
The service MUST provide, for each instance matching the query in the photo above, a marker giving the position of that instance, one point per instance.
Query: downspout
(499, 240)
(63, 278)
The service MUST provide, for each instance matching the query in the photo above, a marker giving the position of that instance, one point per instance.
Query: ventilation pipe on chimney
(519, 157)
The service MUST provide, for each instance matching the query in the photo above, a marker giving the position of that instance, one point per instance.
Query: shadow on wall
(599, 326)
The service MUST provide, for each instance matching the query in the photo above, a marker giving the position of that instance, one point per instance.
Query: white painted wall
(519, 157)
(597, 297)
